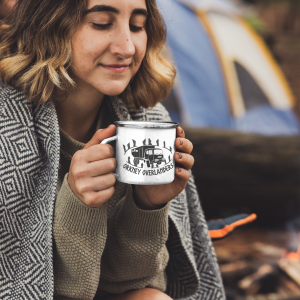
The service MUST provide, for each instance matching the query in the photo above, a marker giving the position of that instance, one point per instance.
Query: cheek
(141, 47)
(82, 48)
(78, 47)
(87, 47)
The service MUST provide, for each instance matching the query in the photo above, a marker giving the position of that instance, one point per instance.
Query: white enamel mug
(144, 152)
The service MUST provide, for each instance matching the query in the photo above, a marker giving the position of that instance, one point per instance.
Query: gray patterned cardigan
(29, 161)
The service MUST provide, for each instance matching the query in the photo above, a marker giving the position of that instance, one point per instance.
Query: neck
(77, 115)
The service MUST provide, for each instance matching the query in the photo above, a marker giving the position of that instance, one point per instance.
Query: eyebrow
(140, 11)
(102, 8)
(97, 8)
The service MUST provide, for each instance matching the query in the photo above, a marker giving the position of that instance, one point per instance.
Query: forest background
(278, 22)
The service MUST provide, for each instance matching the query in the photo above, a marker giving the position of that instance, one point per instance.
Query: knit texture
(29, 154)
(135, 253)
(80, 234)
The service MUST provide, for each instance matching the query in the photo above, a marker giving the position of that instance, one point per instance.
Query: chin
(114, 93)
(114, 90)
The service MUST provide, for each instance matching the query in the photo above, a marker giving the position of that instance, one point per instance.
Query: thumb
(100, 135)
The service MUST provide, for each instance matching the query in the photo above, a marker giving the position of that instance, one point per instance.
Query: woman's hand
(89, 175)
(155, 196)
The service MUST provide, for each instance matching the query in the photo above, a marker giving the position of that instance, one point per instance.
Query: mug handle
(108, 140)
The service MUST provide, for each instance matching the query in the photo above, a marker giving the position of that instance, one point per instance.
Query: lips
(115, 67)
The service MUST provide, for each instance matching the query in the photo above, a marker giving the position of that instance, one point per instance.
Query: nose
(122, 44)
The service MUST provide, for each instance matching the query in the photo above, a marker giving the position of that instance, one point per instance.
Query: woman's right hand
(89, 175)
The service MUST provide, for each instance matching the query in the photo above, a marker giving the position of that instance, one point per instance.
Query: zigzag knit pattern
(29, 160)
(29, 156)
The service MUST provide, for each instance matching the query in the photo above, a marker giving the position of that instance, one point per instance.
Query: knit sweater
(134, 242)
(29, 164)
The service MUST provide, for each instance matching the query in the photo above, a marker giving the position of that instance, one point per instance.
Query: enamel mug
(144, 152)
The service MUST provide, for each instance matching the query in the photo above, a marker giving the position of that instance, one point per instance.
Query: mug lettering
(148, 172)
(132, 169)
(158, 171)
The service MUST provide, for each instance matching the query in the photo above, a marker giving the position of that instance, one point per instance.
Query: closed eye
(101, 26)
(135, 28)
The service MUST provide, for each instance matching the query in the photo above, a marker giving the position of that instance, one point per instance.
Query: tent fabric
(236, 41)
(266, 120)
(222, 5)
(252, 94)
(211, 63)
(202, 90)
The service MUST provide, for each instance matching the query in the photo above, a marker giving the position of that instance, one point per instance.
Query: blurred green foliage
(283, 15)
(256, 23)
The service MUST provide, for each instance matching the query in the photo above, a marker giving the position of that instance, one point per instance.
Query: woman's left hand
(155, 196)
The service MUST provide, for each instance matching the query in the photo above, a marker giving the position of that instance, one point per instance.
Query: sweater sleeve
(135, 254)
(79, 238)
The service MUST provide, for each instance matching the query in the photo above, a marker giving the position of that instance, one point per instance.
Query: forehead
(119, 4)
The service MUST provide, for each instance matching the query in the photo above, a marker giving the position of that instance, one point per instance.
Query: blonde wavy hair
(36, 52)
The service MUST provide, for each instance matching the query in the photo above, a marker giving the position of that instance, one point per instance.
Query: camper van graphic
(148, 156)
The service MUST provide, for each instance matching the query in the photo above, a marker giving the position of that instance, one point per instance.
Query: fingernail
(179, 155)
(181, 130)
(181, 142)
(178, 170)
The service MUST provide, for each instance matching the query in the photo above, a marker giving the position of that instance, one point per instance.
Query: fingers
(95, 191)
(185, 160)
(101, 167)
(183, 145)
(100, 135)
(181, 178)
(89, 174)
(97, 199)
(180, 132)
(95, 184)
(99, 152)
(94, 169)
(94, 153)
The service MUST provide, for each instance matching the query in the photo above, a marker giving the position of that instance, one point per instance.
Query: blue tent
(226, 77)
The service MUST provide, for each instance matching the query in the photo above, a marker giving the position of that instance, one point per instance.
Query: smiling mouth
(115, 68)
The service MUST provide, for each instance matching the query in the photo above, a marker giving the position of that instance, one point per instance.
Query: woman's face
(110, 45)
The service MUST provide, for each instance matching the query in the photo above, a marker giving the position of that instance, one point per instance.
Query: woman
(70, 68)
